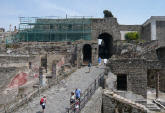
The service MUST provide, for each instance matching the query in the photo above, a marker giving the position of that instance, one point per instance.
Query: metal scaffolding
(34, 29)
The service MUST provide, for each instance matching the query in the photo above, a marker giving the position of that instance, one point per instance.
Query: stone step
(153, 107)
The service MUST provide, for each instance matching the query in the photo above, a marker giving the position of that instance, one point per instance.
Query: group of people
(75, 99)
(99, 61)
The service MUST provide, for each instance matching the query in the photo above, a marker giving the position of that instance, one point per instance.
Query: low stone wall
(15, 58)
(113, 103)
(95, 103)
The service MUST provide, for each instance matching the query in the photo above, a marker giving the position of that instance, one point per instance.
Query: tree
(107, 14)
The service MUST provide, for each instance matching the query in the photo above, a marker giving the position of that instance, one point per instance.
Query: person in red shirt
(43, 103)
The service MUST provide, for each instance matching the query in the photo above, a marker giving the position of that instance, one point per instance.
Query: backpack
(41, 101)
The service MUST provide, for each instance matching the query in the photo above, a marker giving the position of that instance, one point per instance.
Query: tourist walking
(105, 61)
(43, 103)
(72, 101)
(89, 66)
(99, 61)
(78, 93)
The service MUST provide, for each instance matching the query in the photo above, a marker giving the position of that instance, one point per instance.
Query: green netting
(9, 39)
(52, 30)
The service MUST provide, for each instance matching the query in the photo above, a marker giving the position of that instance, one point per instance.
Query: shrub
(132, 36)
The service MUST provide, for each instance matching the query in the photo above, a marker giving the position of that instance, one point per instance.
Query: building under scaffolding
(32, 29)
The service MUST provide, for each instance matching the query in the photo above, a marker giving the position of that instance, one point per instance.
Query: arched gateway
(106, 46)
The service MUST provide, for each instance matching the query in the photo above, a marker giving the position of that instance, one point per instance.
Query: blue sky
(126, 11)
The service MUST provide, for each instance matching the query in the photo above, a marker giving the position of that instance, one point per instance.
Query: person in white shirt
(105, 61)
(72, 100)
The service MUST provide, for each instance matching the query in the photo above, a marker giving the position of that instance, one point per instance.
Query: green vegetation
(107, 14)
(130, 36)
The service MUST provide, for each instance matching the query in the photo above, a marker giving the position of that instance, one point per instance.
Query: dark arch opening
(87, 53)
(106, 47)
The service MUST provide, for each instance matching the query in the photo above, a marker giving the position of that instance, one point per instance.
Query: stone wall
(15, 58)
(146, 32)
(94, 105)
(105, 25)
(151, 77)
(160, 32)
(94, 47)
(54, 63)
(59, 65)
(15, 72)
(111, 84)
(72, 50)
(113, 103)
(21, 102)
(137, 28)
(162, 81)
(129, 28)
(136, 73)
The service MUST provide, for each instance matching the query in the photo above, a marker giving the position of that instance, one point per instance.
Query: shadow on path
(38, 112)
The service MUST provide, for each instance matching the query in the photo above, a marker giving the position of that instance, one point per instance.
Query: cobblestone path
(58, 96)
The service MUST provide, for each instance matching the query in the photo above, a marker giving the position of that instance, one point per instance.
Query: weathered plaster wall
(6, 74)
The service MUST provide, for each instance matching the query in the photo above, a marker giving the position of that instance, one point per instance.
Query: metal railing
(86, 95)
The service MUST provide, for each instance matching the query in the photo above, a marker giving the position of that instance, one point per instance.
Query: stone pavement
(58, 96)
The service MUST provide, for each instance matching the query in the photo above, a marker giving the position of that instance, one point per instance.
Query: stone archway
(106, 46)
(87, 54)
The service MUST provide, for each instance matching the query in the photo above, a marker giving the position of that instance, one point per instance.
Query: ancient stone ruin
(45, 51)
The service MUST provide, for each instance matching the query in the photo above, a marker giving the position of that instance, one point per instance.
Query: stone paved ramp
(58, 96)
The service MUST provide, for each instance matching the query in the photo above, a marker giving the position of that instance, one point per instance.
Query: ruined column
(40, 76)
(157, 85)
